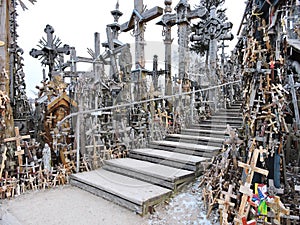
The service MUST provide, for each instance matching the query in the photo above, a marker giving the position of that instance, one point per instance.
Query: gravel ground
(71, 205)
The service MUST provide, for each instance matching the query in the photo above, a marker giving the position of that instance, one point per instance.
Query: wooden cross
(251, 169)
(278, 208)
(137, 21)
(50, 119)
(226, 201)
(244, 208)
(261, 152)
(4, 157)
(18, 139)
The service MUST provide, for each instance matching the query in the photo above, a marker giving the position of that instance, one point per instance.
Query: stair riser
(110, 197)
(221, 122)
(166, 162)
(207, 134)
(199, 142)
(183, 150)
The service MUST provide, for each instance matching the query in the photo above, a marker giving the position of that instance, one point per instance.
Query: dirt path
(70, 205)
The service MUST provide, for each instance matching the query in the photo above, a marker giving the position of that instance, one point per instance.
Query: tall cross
(137, 21)
(50, 50)
(18, 139)
(183, 17)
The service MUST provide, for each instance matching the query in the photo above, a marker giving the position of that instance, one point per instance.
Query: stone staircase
(151, 175)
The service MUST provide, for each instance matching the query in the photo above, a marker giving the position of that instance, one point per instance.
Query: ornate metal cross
(50, 50)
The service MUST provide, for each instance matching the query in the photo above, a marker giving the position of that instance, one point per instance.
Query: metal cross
(50, 50)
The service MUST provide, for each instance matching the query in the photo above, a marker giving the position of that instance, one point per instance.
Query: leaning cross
(137, 21)
(18, 139)
(252, 167)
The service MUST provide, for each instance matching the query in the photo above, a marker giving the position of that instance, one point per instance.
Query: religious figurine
(47, 157)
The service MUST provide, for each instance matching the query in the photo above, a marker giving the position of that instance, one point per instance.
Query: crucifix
(18, 139)
(50, 50)
(139, 17)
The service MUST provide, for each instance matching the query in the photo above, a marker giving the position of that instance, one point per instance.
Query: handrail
(142, 102)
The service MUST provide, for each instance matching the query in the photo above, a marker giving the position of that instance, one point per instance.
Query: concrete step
(209, 126)
(204, 131)
(167, 158)
(133, 194)
(196, 138)
(185, 148)
(230, 114)
(153, 173)
(227, 117)
(216, 121)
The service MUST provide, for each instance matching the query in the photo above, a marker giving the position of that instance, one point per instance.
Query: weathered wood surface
(123, 190)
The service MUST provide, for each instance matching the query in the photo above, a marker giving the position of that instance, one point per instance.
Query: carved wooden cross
(278, 209)
(137, 21)
(18, 139)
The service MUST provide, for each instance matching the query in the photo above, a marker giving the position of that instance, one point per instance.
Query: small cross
(261, 152)
(18, 139)
(278, 208)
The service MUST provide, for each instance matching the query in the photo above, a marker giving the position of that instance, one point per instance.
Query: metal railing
(154, 120)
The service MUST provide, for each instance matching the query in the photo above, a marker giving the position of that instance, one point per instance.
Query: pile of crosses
(255, 180)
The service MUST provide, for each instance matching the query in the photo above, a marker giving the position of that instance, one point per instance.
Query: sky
(75, 23)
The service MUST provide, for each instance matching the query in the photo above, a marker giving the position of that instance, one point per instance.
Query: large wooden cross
(137, 21)
(250, 169)
(18, 139)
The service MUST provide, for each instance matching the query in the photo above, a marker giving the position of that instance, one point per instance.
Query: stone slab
(174, 159)
(128, 192)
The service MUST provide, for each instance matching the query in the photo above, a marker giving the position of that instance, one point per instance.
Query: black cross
(50, 50)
